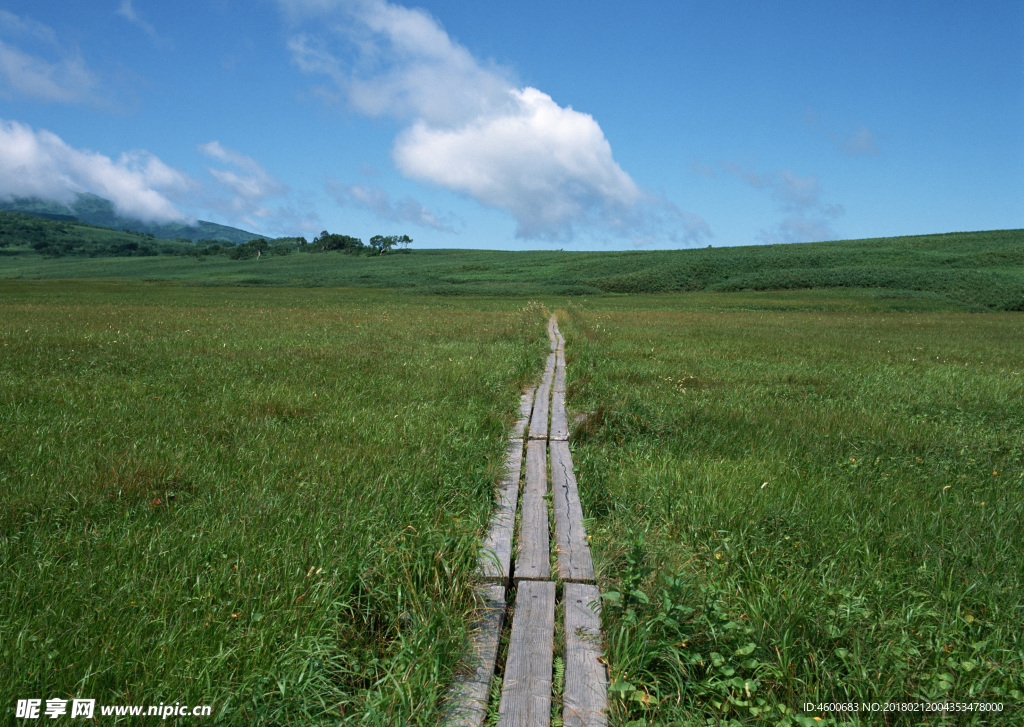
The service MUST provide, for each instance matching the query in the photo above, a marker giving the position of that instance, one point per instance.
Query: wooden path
(528, 582)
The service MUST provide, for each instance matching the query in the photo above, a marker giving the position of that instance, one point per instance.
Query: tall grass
(973, 270)
(790, 506)
(267, 501)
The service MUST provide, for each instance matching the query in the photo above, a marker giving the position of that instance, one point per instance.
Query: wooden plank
(534, 559)
(559, 341)
(585, 697)
(496, 553)
(574, 562)
(559, 430)
(552, 333)
(525, 408)
(470, 691)
(559, 380)
(541, 407)
(526, 692)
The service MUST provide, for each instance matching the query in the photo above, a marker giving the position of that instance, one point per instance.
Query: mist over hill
(95, 210)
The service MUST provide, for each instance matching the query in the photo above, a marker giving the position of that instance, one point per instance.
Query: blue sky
(524, 125)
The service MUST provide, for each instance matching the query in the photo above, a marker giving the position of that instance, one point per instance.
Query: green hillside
(983, 270)
(55, 235)
(95, 210)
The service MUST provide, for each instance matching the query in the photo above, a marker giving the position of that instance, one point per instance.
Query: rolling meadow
(265, 501)
(802, 498)
(261, 484)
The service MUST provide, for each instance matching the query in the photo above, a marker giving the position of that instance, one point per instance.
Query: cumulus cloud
(245, 183)
(806, 217)
(469, 126)
(40, 164)
(551, 167)
(35, 64)
(379, 202)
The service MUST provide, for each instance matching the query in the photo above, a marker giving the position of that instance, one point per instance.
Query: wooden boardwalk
(526, 689)
(574, 563)
(534, 560)
(498, 542)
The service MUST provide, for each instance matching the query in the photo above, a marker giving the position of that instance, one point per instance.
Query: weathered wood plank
(534, 559)
(585, 698)
(496, 553)
(559, 341)
(539, 418)
(558, 384)
(574, 561)
(559, 430)
(525, 408)
(526, 692)
(470, 691)
(541, 406)
(553, 333)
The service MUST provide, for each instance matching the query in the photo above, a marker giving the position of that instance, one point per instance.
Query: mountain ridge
(95, 210)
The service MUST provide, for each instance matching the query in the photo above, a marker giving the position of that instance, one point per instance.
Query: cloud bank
(40, 164)
(469, 127)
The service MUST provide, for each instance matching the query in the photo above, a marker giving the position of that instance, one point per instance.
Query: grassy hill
(983, 270)
(55, 235)
(95, 210)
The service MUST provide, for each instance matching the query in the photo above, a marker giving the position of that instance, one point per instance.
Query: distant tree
(243, 251)
(380, 244)
(345, 243)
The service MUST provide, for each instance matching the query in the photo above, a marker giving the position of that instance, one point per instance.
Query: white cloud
(247, 184)
(40, 164)
(50, 70)
(469, 126)
(806, 217)
(551, 167)
(379, 202)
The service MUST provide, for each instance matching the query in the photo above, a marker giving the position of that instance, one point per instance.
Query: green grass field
(802, 498)
(260, 485)
(266, 501)
(976, 270)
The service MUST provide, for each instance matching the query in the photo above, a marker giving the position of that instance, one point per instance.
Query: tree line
(324, 242)
(59, 238)
(379, 244)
